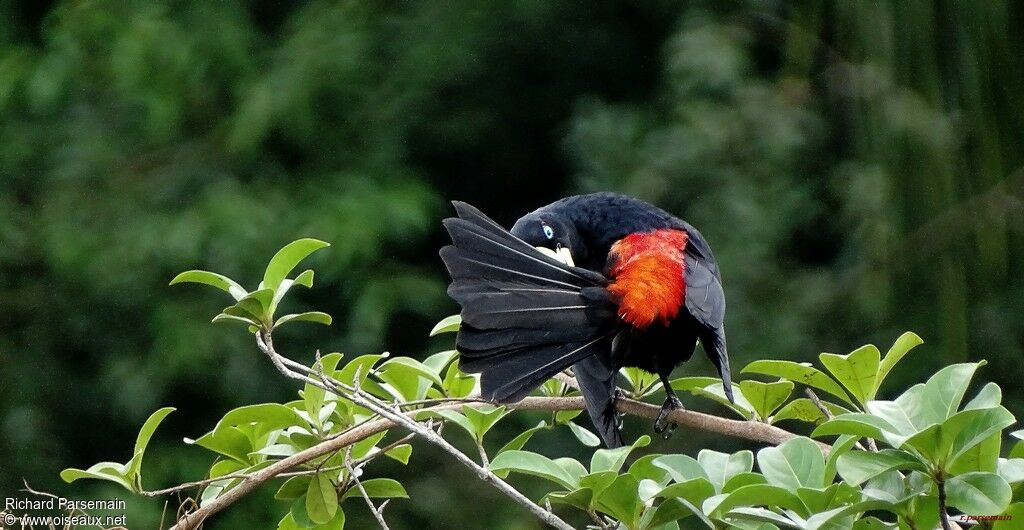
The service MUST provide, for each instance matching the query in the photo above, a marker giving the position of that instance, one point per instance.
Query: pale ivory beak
(563, 255)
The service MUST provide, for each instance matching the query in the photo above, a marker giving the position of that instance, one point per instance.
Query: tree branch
(747, 430)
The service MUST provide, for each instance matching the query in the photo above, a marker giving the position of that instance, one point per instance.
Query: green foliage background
(857, 168)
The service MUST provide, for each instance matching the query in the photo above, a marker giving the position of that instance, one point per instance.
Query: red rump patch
(648, 272)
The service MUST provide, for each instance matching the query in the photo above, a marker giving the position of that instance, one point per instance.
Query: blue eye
(548, 232)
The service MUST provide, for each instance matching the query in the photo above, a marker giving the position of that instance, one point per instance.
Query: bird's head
(554, 234)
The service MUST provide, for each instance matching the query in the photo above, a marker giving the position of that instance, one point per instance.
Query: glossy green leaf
(536, 465)
(621, 501)
(899, 349)
(316, 317)
(313, 396)
(483, 418)
(321, 499)
(224, 318)
(265, 416)
(400, 453)
(794, 463)
(293, 488)
(804, 374)
(213, 279)
(379, 488)
(585, 437)
(802, 409)
(644, 468)
(978, 493)
(857, 371)
(854, 423)
(755, 495)
(765, 398)
(613, 459)
(721, 467)
(134, 470)
(287, 258)
(695, 490)
(447, 325)
(857, 467)
(110, 471)
(716, 392)
(739, 480)
(681, 467)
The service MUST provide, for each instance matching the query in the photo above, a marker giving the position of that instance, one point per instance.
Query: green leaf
(804, 374)
(716, 392)
(321, 499)
(585, 437)
(857, 467)
(840, 447)
(621, 501)
(316, 317)
(287, 258)
(110, 471)
(742, 479)
(696, 491)
(766, 397)
(134, 470)
(978, 493)
(305, 279)
(400, 453)
(681, 467)
(447, 325)
(899, 349)
(613, 459)
(213, 279)
(409, 377)
(721, 467)
(483, 418)
(520, 440)
(802, 409)
(644, 468)
(755, 495)
(224, 318)
(536, 465)
(293, 488)
(794, 463)
(1011, 469)
(228, 441)
(944, 391)
(379, 488)
(855, 423)
(265, 416)
(968, 428)
(440, 360)
(857, 370)
(313, 396)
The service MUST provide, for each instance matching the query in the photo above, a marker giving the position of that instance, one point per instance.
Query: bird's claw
(661, 425)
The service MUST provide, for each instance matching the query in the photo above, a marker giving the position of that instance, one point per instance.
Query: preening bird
(594, 282)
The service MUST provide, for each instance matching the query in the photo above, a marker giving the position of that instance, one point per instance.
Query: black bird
(596, 282)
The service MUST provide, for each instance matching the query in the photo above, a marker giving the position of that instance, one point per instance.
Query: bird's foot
(661, 425)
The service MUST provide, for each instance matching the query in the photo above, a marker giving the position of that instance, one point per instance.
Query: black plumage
(527, 316)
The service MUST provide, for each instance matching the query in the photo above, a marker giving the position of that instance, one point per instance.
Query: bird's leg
(661, 425)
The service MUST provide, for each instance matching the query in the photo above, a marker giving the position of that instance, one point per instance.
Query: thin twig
(377, 512)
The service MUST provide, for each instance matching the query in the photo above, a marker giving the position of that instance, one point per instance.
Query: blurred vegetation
(857, 168)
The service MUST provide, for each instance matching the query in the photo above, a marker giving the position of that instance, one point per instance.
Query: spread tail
(527, 316)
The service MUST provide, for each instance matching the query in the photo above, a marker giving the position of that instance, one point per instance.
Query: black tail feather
(713, 343)
(527, 316)
(597, 383)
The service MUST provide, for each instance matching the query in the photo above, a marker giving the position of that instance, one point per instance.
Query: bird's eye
(548, 232)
